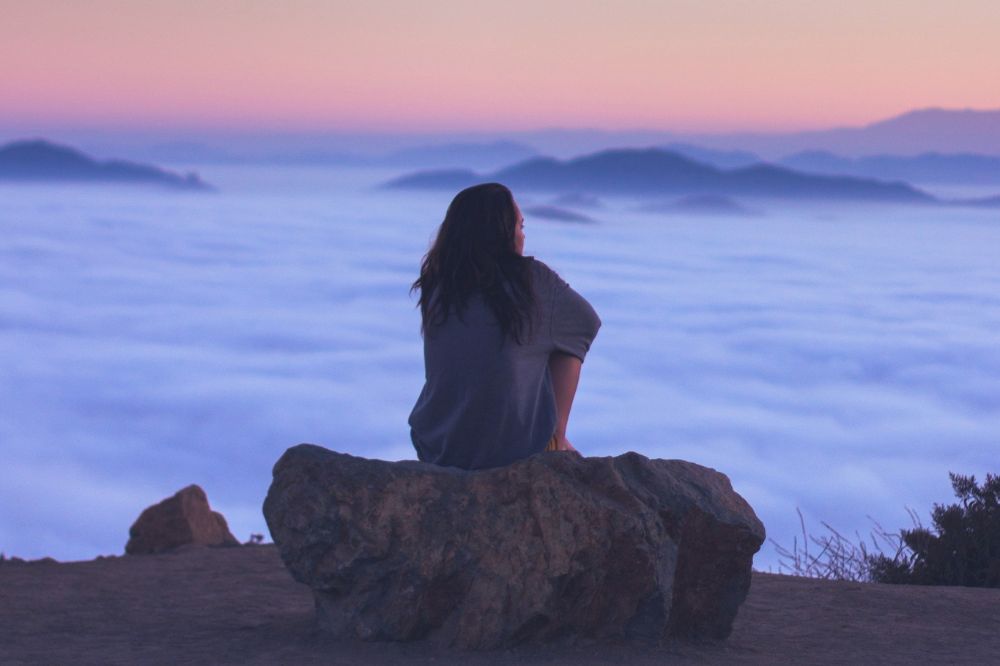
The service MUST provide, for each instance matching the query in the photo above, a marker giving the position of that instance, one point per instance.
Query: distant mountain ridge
(930, 167)
(723, 159)
(958, 168)
(915, 132)
(661, 172)
(912, 133)
(477, 155)
(37, 160)
(939, 120)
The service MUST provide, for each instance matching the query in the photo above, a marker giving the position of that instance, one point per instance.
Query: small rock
(177, 521)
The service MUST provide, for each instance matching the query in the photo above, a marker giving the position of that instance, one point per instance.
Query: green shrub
(962, 549)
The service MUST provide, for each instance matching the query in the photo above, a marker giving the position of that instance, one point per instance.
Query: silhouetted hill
(959, 123)
(611, 171)
(557, 214)
(723, 159)
(964, 168)
(659, 172)
(41, 161)
(912, 133)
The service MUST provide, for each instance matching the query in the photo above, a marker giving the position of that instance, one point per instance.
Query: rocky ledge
(553, 546)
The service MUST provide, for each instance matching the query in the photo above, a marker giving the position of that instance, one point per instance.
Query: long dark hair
(475, 253)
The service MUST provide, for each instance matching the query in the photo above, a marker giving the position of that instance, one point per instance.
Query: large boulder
(178, 521)
(555, 545)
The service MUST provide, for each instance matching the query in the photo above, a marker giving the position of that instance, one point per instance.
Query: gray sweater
(488, 401)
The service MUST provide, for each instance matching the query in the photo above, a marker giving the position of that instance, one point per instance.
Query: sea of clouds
(841, 360)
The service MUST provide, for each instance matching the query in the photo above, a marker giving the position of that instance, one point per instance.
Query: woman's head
(482, 221)
(478, 250)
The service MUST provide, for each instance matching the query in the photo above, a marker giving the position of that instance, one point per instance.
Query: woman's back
(488, 400)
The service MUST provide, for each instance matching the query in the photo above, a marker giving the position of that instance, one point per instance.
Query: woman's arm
(565, 371)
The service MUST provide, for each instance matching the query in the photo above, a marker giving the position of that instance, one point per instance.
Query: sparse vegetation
(961, 548)
(832, 556)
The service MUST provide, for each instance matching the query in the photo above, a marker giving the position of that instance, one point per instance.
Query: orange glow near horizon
(453, 65)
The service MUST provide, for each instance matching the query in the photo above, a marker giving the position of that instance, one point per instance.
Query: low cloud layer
(840, 362)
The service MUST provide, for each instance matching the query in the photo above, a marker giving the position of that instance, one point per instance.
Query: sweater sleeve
(574, 321)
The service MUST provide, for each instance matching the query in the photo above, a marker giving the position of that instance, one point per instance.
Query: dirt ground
(240, 606)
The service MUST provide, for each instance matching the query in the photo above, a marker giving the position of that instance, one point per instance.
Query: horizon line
(291, 129)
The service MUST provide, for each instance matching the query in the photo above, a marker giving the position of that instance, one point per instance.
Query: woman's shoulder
(542, 273)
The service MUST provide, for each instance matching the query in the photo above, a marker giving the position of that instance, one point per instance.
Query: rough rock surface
(552, 546)
(177, 521)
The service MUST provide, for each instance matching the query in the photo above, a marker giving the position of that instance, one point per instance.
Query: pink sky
(684, 65)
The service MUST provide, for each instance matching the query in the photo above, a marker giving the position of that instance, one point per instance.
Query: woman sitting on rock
(504, 340)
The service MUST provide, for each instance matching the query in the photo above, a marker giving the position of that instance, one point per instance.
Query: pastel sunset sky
(687, 65)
